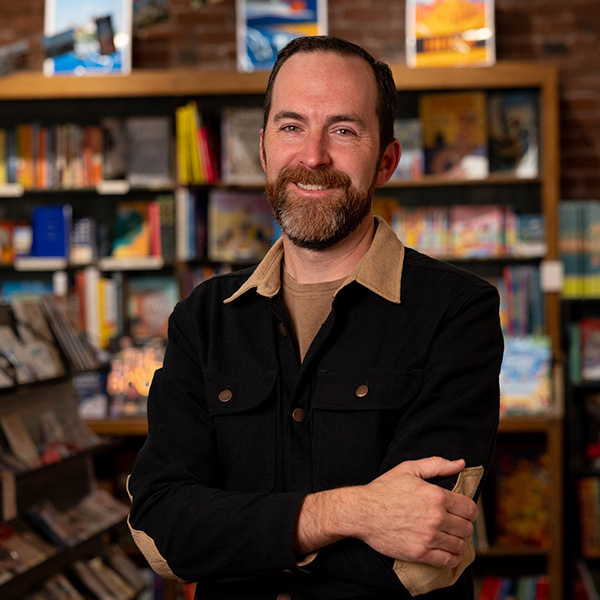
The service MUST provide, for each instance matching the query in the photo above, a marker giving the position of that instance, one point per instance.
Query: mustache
(327, 178)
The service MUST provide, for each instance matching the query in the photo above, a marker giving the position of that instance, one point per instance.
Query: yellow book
(3, 158)
(193, 127)
(183, 156)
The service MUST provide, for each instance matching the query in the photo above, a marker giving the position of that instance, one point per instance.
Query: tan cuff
(419, 578)
(306, 560)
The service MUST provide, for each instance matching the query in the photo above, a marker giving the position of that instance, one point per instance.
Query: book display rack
(514, 175)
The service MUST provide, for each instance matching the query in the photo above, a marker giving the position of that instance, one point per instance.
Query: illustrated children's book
(444, 33)
(455, 134)
(87, 38)
(513, 132)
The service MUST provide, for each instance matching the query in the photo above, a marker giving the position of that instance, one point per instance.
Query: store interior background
(564, 32)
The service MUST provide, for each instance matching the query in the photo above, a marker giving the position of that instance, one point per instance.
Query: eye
(290, 128)
(344, 132)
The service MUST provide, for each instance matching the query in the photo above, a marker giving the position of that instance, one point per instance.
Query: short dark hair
(387, 95)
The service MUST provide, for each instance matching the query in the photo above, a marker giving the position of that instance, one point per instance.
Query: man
(313, 414)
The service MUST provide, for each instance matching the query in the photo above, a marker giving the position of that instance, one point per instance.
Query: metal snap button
(362, 391)
(298, 415)
(225, 395)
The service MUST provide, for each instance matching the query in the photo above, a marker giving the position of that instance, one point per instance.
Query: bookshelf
(158, 91)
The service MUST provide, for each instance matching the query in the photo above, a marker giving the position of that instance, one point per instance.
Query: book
(589, 335)
(522, 499)
(455, 134)
(240, 226)
(525, 376)
(513, 132)
(115, 148)
(444, 33)
(588, 502)
(477, 230)
(131, 230)
(52, 524)
(149, 141)
(83, 247)
(81, 39)
(240, 145)
(19, 440)
(410, 134)
(530, 235)
(51, 231)
(591, 249)
(151, 300)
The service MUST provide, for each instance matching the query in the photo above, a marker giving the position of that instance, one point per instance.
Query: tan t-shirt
(308, 305)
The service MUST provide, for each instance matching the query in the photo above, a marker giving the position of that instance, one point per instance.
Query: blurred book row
(456, 135)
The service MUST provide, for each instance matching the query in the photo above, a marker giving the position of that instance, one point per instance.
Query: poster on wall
(264, 27)
(82, 37)
(447, 33)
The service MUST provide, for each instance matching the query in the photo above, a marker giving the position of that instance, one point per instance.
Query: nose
(314, 153)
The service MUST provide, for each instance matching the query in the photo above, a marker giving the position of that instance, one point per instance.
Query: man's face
(321, 147)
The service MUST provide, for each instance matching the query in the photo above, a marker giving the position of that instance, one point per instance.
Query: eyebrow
(349, 118)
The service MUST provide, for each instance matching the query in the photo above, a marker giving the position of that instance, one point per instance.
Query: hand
(409, 519)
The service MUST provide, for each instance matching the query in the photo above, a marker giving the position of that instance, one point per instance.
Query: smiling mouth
(311, 187)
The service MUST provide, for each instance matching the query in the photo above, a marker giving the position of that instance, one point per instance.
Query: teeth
(310, 188)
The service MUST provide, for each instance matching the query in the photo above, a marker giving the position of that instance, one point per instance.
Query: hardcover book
(513, 133)
(240, 226)
(455, 134)
(525, 376)
(477, 230)
(240, 148)
(51, 231)
(87, 38)
(410, 134)
(444, 33)
(132, 230)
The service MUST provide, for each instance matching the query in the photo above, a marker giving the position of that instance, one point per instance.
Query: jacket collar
(379, 270)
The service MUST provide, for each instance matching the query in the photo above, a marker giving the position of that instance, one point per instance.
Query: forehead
(325, 79)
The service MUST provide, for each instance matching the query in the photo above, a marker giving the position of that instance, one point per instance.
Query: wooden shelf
(125, 426)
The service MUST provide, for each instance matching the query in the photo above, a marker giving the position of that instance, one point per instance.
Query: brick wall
(567, 32)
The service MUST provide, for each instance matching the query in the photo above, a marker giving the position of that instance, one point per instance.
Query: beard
(318, 224)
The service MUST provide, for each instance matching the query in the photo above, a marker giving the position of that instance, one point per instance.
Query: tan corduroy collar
(379, 270)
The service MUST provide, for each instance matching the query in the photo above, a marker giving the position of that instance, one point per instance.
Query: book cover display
(513, 133)
(87, 38)
(525, 376)
(444, 33)
(240, 226)
(455, 134)
(264, 27)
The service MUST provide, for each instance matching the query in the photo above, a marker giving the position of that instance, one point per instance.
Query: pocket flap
(372, 390)
(235, 394)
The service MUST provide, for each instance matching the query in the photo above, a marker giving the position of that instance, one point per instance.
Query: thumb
(436, 466)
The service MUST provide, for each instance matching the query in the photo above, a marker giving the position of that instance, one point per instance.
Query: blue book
(51, 231)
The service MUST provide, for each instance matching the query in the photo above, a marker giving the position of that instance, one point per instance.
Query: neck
(316, 266)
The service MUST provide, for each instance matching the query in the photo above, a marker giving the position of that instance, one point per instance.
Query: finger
(441, 558)
(458, 527)
(462, 506)
(436, 466)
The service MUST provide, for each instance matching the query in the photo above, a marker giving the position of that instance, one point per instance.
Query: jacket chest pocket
(244, 412)
(355, 417)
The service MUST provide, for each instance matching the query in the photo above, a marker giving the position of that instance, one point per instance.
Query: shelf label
(551, 276)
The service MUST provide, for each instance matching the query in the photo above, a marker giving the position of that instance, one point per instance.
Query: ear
(389, 162)
(263, 158)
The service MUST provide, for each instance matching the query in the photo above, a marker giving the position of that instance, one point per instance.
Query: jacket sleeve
(454, 416)
(180, 512)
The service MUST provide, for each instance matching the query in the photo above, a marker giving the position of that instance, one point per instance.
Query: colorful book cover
(240, 226)
(588, 501)
(591, 249)
(525, 375)
(455, 134)
(513, 123)
(87, 38)
(410, 134)
(131, 230)
(264, 28)
(530, 236)
(571, 247)
(240, 150)
(151, 300)
(589, 335)
(51, 231)
(477, 230)
(522, 496)
(444, 33)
